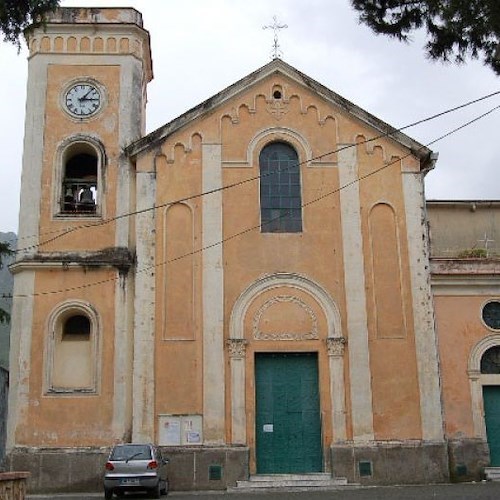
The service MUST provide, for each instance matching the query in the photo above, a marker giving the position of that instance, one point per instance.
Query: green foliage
(4, 251)
(17, 15)
(473, 253)
(456, 29)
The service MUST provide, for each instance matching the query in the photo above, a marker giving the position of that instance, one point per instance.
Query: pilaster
(423, 312)
(336, 351)
(354, 277)
(143, 383)
(20, 353)
(213, 298)
(237, 352)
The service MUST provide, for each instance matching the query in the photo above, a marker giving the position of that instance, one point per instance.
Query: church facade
(250, 286)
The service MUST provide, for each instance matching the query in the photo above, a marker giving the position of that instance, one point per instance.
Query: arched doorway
(286, 345)
(490, 365)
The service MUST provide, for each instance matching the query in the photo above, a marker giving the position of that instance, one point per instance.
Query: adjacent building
(250, 286)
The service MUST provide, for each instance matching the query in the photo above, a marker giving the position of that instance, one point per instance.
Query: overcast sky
(200, 47)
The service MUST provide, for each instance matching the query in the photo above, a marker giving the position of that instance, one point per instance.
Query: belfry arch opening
(80, 190)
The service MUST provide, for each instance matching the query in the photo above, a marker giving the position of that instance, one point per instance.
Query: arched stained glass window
(490, 362)
(280, 191)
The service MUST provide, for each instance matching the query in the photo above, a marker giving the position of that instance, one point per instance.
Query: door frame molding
(478, 379)
(237, 349)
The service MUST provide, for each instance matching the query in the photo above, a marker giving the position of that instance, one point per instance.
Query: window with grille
(280, 189)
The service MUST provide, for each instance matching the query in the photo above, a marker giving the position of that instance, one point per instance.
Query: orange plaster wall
(179, 347)
(76, 415)
(460, 328)
(395, 392)
(315, 253)
(58, 126)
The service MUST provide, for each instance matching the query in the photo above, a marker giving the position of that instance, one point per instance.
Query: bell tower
(72, 329)
(86, 97)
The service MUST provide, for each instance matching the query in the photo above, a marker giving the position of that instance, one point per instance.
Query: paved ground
(467, 491)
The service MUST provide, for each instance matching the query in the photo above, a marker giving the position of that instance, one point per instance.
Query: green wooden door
(491, 398)
(288, 424)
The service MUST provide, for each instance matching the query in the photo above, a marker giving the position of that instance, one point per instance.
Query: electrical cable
(253, 228)
(389, 133)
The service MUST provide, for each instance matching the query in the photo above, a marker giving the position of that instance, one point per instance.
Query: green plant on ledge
(473, 253)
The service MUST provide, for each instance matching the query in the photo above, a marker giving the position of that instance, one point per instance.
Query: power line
(389, 133)
(253, 228)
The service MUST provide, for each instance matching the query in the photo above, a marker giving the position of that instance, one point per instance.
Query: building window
(491, 315)
(490, 361)
(80, 184)
(73, 349)
(280, 189)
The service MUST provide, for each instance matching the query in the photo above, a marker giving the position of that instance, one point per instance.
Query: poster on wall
(180, 430)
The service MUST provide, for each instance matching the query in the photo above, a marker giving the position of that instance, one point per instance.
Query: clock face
(83, 99)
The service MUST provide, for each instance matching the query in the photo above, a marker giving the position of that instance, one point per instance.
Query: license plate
(129, 481)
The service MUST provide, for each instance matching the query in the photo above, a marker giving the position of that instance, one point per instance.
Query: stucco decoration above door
(296, 282)
(297, 321)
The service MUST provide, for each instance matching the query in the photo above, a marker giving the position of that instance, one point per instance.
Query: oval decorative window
(491, 315)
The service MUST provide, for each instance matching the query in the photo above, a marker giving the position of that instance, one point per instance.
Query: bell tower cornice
(89, 31)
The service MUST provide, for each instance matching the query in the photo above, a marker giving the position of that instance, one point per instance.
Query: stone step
(492, 473)
(272, 481)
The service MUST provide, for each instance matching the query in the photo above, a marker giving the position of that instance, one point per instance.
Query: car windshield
(131, 452)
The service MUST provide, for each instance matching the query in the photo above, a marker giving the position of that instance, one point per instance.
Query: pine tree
(4, 251)
(456, 29)
(17, 15)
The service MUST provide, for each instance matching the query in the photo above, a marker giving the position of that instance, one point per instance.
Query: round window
(491, 315)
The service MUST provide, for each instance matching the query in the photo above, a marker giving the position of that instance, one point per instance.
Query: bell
(86, 196)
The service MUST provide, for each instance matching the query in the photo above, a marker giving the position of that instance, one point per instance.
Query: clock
(83, 99)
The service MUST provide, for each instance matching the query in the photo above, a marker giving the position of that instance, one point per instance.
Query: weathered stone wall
(391, 463)
(464, 228)
(56, 470)
(468, 458)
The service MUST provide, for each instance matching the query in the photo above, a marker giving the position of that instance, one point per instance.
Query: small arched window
(490, 361)
(80, 175)
(280, 189)
(73, 349)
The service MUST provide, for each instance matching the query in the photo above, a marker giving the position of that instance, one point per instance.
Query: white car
(135, 467)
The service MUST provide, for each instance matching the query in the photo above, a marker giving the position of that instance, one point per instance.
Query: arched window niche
(280, 189)
(79, 178)
(72, 350)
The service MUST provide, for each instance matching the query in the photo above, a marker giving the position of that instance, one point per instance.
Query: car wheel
(108, 494)
(156, 492)
(164, 490)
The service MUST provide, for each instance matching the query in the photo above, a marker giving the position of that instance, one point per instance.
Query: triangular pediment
(277, 66)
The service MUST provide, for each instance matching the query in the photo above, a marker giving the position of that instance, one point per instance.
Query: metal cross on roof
(276, 52)
(486, 241)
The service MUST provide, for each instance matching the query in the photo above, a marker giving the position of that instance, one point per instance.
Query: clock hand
(88, 93)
